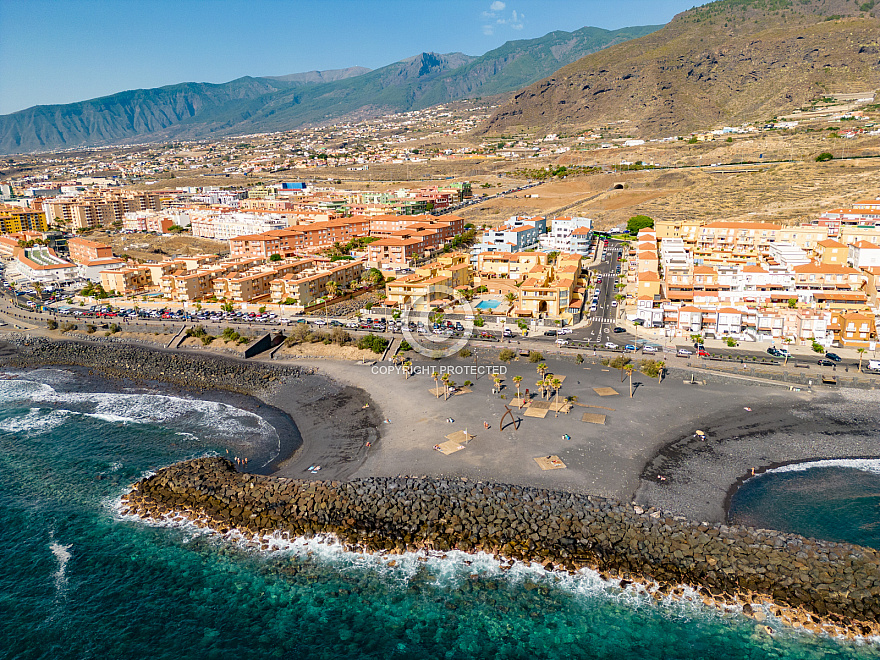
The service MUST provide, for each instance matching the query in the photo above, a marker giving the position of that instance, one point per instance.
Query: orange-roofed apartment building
(431, 283)
(854, 329)
(299, 239)
(307, 286)
(126, 281)
(82, 249)
(554, 292)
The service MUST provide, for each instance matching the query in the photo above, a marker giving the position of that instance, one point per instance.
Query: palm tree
(540, 386)
(407, 366)
(516, 381)
(542, 369)
(629, 369)
(660, 367)
(332, 289)
(436, 384)
(497, 380)
(510, 297)
(557, 385)
(861, 352)
(445, 380)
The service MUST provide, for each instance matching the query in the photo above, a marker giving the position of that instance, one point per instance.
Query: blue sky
(60, 51)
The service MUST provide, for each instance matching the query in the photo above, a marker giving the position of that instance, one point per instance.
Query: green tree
(861, 352)
(824, 156)
(638, 222)
(792, 303)
(275, 257)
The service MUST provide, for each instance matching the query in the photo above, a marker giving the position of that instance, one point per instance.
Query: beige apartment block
(127, 281)
(512, 266)
(430, 283)
(309, 285)
(551, 292)
(255, 283)
(830, 251)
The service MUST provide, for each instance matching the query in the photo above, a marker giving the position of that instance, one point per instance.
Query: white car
(564, 331)
(614, 303)
(352, 324)
(649, 349)
(610, 344)
(319, 322)
(561, 342)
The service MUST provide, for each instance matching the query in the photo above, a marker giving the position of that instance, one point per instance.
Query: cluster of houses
(817, 282)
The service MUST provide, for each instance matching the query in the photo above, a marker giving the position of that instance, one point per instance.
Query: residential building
(430, 283)
(569, 234)
(82, 250)
(556, 291)
(830, 251)
(147, 221)
(41, 264)
(853, 329)
(863, 255)
(517, 234)
(14, 219)
(309, 285)
(126, 281)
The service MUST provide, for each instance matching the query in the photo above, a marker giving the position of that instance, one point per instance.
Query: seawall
(825, 587)
(123, 360)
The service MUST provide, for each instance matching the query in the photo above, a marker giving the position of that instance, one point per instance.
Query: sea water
(835, 500)
(77, 580)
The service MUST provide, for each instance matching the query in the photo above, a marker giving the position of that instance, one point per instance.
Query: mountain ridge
(726, 62)
(254, 104)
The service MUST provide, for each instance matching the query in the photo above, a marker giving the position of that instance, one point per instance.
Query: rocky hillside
(252, 105)
(723, 63)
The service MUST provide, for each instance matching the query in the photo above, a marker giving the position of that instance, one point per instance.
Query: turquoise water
(78, 581)
(488, 304)
(832, 500)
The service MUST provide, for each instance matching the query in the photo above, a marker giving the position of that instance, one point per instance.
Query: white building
(91, 270)
(864, 255)
(571, 235)
(519, 233)
(41, 264)
(787, 255)
(223, 226)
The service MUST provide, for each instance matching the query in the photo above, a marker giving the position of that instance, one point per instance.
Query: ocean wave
(447, 570)
(62, 556)
(187, 415)
(871, 465)
(35, 422)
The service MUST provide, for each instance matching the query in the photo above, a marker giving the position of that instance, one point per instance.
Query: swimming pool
(488, 304)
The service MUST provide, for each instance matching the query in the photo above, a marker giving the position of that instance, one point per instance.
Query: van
(873, 365)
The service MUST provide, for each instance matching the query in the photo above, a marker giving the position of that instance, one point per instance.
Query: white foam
(871, 465)
(35, 422)
(192, 414)
(62, 555)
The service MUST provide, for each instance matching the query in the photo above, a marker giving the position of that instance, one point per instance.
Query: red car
(703, 353)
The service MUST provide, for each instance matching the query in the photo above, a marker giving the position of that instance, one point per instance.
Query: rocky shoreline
(827, 588)
(122, 360)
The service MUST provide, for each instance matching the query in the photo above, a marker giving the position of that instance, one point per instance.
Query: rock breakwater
(130, 361)
(825, 587)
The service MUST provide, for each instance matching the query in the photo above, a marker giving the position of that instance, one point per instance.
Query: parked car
(320, 322)
(550, 333)
(775, 352)
(561, 342)
(703, 352)
(832, 356)
(649, 349)
(684, 352)
(619, 330)
(825, 363)
(610, 344)
(508, 333)
(629, 347)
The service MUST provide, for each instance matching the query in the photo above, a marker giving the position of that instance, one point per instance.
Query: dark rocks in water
(121, 360)
(822, 586)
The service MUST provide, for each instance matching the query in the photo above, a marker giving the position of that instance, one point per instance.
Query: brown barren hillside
(727, 62)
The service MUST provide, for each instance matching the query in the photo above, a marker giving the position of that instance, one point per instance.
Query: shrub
(651, 368)
(506, 355)
(373, 342)
(479, 322)
(534, 357)
(818, 348)
(91, 329)
(465, 353)
(114, 328)
(52, 324)
(620, 362)
(579, 359)
(404, 346)
(730, 341)
(824, 156)
(67, 327)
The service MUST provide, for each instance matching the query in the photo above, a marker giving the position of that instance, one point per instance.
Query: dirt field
(150, 247)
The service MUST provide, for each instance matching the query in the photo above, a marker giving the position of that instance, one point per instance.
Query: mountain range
(726, 62)
(262, 104)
